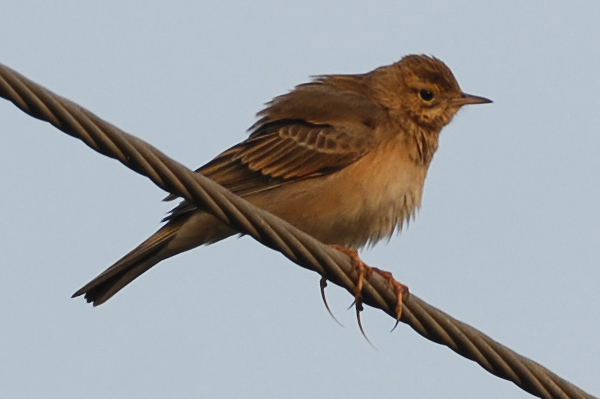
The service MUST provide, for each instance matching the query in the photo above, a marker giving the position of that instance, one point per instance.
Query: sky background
(507, 239)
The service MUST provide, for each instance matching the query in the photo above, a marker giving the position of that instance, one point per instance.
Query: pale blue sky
(507, 239)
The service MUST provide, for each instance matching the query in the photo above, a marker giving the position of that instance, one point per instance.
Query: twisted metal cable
(277, 234)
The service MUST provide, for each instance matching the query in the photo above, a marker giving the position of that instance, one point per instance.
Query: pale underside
(326, 181)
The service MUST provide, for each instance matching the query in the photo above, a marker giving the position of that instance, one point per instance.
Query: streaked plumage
(343, 158)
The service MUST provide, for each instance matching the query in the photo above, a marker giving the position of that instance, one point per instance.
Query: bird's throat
(423, 142)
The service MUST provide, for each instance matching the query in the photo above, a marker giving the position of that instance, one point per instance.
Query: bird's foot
(363, 270)
(400, 290)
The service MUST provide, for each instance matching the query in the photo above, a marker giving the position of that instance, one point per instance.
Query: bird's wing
(312, 131)
(282, 152)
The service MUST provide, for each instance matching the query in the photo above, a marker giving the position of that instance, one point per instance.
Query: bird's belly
(358, 205)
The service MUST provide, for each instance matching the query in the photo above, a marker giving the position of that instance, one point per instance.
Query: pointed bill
(466, 99)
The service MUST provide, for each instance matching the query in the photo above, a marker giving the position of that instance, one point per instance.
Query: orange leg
(400, 290)
(363, 270)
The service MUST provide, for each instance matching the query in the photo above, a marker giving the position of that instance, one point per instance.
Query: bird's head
(423, 89)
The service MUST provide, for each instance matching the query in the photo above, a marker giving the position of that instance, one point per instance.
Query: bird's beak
(466, 99)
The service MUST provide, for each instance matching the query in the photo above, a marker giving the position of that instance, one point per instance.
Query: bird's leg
(363, 270)
(400, 290)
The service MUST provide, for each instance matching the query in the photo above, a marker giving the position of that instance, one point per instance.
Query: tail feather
(128, 268)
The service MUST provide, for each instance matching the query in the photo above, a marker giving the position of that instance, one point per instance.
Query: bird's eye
(425, 95)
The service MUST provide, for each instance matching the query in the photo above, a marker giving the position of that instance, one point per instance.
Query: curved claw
(395, 325)
(399, 289)
(361, 270)
(323, 284)
(359, 309)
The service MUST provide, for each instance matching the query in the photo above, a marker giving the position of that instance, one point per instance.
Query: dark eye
(426, 95)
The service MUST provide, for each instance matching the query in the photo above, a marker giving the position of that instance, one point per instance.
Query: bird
(342, 157)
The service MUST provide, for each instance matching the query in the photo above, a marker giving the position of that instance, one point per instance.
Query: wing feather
(288, 144)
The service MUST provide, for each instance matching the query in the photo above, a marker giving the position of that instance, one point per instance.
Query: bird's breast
(390, 187)
(358, 205)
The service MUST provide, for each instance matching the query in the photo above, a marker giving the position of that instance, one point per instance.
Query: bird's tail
(131, 266)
